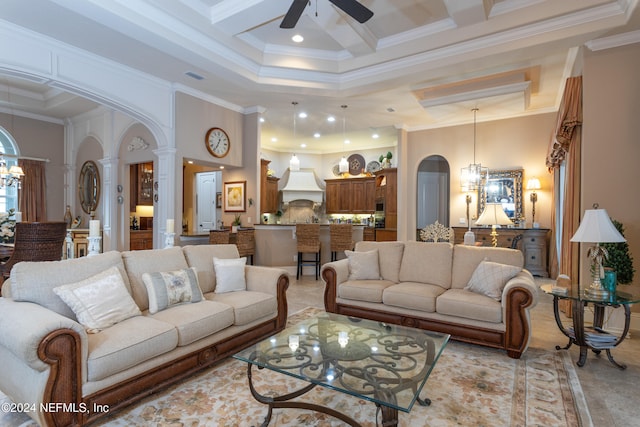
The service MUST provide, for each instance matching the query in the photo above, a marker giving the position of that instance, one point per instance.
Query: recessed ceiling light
(303, 145)
(190, 162)
(375, 136)
(221, 167)
(261, 119)
(274, 139)
(302, 115)
(346, 141)
(297, 38)
(316, 135)
(331, 119)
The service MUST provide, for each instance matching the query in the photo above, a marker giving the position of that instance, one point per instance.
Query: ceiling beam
(467, 12)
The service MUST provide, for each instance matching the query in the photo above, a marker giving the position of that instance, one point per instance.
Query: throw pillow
(229, 274)
(168, 288)
(490, 278)
(99, 301)
(363, 265)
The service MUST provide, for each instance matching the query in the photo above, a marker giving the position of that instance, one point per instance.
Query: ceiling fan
(350, 7)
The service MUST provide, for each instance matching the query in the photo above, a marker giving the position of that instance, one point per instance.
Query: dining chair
(246, 242)
(340, 239)
(308, 242)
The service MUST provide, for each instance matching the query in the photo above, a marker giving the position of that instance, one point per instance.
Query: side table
(594, 338)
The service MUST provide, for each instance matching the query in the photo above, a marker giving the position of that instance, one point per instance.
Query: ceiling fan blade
(294, 13)
(354, 9)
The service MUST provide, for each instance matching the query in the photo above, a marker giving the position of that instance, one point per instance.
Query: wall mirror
(89, 186)
(505, 187)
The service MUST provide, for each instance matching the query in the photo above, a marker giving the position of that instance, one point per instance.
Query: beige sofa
(423, 285)
(69, 374)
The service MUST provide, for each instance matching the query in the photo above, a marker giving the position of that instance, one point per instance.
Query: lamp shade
(343, 165)
(596, 227)
(493, 214)
(533, 184)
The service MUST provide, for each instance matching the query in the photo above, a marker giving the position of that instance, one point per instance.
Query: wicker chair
(341, 239)
(219, 237)
(36, 241)
(246, 242)
(308, 237)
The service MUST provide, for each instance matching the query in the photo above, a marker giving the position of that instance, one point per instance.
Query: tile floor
(612, 394)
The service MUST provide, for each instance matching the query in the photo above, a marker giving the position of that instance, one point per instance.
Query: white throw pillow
(490, 278)
(229, 274)
(168, 288)
(99, 301)
(363, 265)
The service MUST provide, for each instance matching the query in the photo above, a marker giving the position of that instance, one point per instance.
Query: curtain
(565, 146)
(32, 198)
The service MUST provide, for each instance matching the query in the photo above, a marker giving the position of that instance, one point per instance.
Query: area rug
(470, 386)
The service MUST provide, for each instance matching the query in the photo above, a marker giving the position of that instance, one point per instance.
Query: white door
(205, 201)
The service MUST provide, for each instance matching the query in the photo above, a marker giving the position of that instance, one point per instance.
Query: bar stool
(218, 237)
(308, 237)
(246, 242)
(341, 238)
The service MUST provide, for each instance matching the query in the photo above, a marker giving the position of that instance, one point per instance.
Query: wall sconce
(533, 184)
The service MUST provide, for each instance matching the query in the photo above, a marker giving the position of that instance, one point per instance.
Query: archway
(433, 190)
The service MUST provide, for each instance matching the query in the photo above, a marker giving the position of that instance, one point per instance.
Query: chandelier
(471, 176)
(10, 177)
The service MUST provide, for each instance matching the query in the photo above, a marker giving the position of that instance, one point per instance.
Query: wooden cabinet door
(338, 196)
(272, 195)
(363, 195)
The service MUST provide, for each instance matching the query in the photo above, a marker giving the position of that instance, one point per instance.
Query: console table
(594, 338)
(533, 242)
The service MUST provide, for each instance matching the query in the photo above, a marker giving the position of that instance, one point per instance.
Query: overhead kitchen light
(294, 163)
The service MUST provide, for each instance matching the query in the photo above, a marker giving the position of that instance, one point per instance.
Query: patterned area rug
(470, 386)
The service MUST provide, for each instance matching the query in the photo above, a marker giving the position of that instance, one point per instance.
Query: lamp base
(469, 238)
(596, 290)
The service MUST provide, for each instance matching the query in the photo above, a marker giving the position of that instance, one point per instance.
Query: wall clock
(217, 142)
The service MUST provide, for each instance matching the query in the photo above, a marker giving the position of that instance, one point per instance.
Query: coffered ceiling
(415, 64)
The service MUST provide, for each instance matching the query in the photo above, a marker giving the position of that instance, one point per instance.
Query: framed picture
(218, 200)
(235, 196)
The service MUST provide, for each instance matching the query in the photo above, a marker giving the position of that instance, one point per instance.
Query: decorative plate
(373, 166)
(336, 170)
(356, 164)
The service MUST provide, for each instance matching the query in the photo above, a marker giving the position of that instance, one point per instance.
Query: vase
(610, 280)
(68, 218)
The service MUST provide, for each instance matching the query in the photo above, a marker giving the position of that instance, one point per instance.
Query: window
(8, 147)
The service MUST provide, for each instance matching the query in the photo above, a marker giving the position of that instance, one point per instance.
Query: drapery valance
(568, 123)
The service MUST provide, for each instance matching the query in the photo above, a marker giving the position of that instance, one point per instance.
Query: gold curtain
(565, 147)
(33, 195)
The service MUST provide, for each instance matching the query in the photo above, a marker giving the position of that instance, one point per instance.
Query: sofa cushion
(467, 258)
(363, 265)
(230, 274)
(198, 320)
(247, 306)
(99, 301)
(128, 344)
(389, 257)
(412, 295)
(427, 263)
(200, 256)
(139, 262)
(363, 290)
(469, 305)
(490, 278)
(167, 288)
(33, 281)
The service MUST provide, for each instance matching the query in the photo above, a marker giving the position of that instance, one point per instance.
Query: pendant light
(343, 166)
(294, 163)
(471, 176)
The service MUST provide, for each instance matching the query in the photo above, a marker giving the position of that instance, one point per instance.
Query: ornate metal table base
(579, 337)
(389, 415)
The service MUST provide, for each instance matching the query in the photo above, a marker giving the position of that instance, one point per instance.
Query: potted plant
(385, 159)
(619, 259)
(237, 222)
(278, 216)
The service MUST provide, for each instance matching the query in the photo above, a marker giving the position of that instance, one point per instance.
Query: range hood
(302, 185)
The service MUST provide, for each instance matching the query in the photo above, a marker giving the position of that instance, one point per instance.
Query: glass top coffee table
(385, 364)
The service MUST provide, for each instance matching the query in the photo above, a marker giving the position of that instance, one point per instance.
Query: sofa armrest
(333, 274)
(24, 326)
(525, 280)
(270, 280)
(520, 295)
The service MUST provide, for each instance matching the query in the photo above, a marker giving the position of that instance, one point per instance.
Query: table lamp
(493, 215)
(596, 227)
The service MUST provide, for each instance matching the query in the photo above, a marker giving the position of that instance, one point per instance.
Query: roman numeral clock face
(217, 142)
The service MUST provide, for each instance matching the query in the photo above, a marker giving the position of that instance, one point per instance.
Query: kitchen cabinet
(140, 239)
(533, 242)
(350, 196)
(386, 195)
(268, 189)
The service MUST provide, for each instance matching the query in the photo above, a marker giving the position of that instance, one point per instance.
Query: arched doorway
(433, 185)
